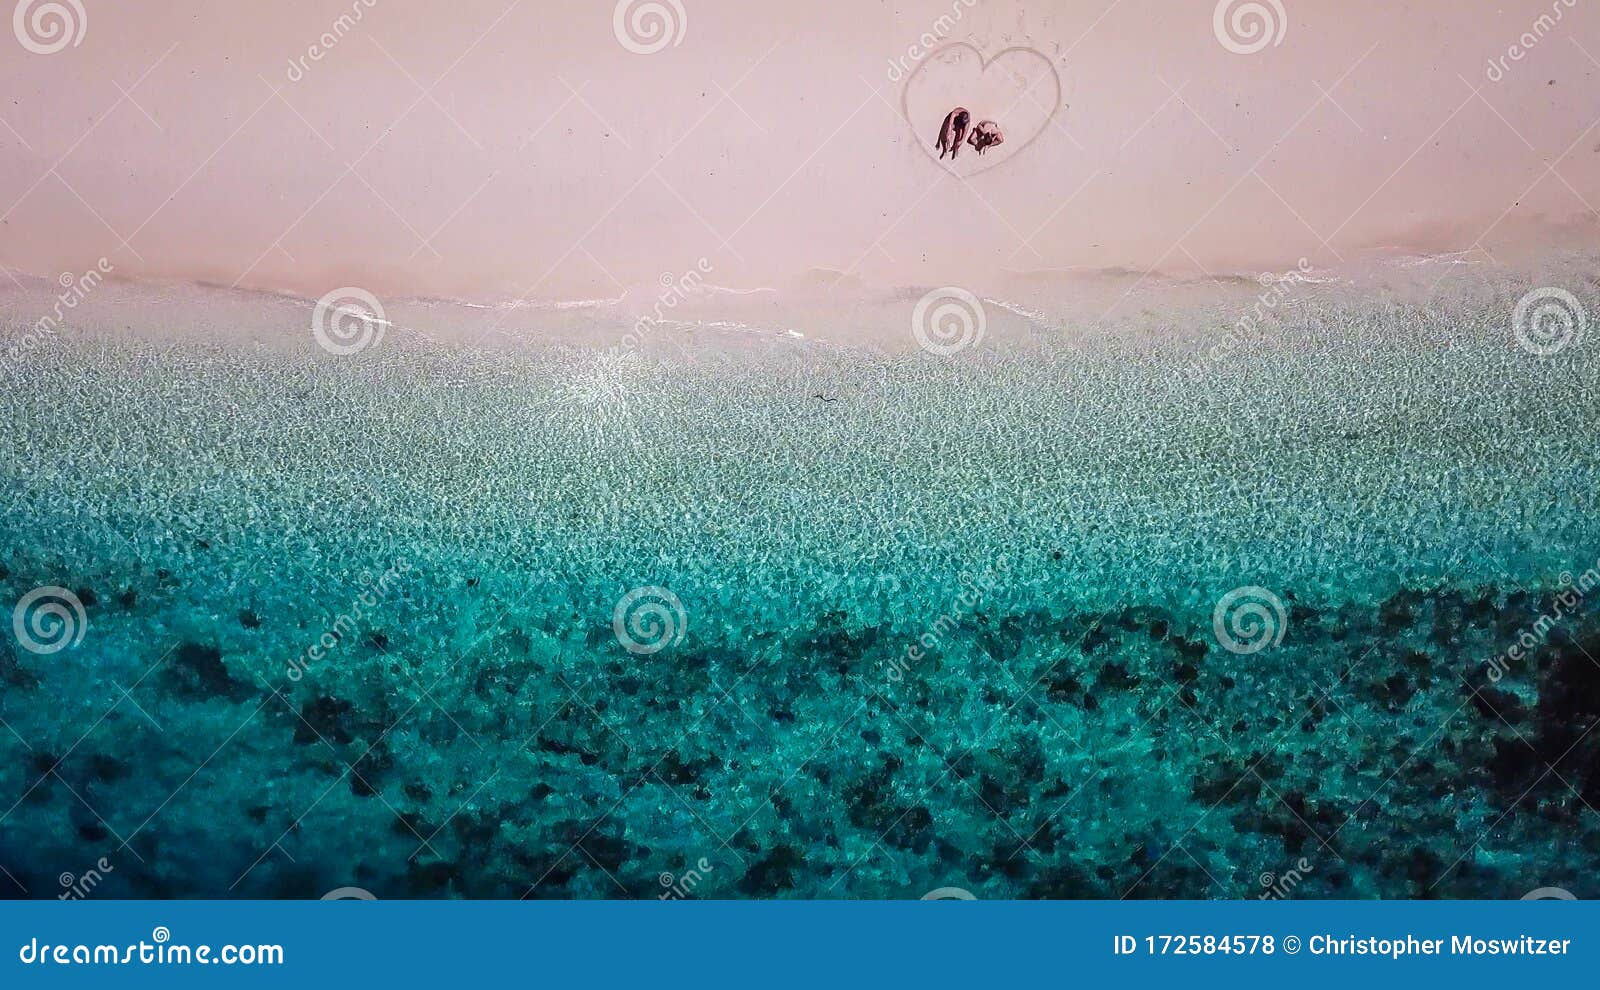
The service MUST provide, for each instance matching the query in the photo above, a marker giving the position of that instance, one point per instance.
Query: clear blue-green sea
(775, 602)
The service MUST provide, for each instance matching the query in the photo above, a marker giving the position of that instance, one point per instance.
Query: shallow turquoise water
(922, 622)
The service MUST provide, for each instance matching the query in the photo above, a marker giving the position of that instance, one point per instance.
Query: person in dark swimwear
(986, 135)
(953, 131)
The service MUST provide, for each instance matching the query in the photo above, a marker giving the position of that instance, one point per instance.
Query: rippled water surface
(749, 608)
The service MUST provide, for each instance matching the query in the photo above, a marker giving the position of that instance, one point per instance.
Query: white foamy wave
(364, 315)
(738, 326)
(512, 305)
(1411, 259)
(1017, 308)
(564, 304)
(1307, 277)
(728, 290)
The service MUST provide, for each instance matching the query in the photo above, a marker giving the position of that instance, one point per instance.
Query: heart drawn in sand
(1017, 88)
